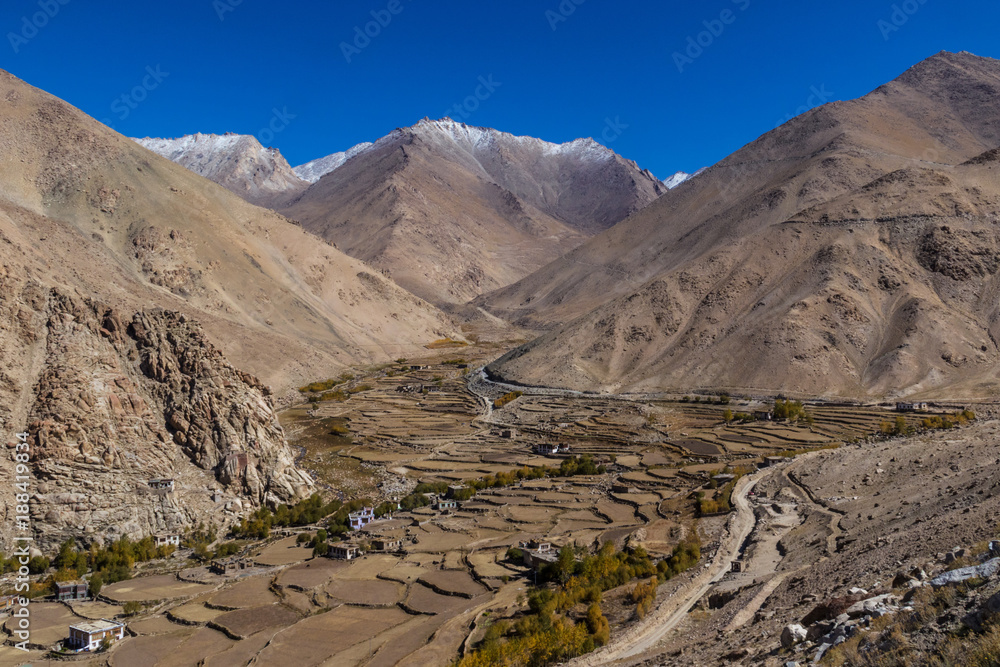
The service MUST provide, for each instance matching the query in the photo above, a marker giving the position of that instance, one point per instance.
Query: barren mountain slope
(452, 211)
(237, 162)
(111, 220)
(129, 285)
(848, 252)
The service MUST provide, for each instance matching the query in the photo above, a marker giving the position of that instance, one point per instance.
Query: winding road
(656, 626)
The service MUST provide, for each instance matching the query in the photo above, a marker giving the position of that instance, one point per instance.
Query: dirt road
(648, 633)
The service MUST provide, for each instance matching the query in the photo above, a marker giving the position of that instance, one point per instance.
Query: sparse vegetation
(445, 343)
(723, 497)
(791, 411)
(548, 631)
(325, 385)
(643, 595)
(507, 398)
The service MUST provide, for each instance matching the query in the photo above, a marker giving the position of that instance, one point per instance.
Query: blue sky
(555, 69)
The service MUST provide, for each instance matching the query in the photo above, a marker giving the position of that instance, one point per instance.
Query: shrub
(507, 398)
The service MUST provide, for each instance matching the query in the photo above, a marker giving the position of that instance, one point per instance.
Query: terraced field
(419, 606)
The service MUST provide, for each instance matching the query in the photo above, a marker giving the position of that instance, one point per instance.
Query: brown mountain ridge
(850, 252)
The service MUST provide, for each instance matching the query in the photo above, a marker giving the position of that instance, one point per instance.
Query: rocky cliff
(123, 398)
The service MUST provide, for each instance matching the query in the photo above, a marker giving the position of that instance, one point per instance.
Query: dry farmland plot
(312, 573)
(187, 646)
(378, 593)
(50, 622)
(195, 612)
(368, 567)
(253, 592)
(487, 564)
(453, 582)
(423, 600)
(246, 622)
(242, 653)
(148, 589)
(313, 640)
(154, 625)
(95, 610)
(283, 552)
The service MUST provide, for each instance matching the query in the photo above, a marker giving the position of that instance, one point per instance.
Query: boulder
(793, 634)
(982, 571)
(871, 605)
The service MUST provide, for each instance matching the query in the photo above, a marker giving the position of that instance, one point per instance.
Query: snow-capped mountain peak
(317, 169)
(238, 162)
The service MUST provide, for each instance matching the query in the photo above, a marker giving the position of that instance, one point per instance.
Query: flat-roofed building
(165, 539)
(343, 551)
(87, 636)
(71, 590)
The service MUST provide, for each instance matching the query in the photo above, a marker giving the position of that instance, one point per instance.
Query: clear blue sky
(606, 61)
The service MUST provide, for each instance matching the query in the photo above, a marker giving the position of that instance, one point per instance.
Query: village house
(389, 545)
(763, 415)
(723, 479)
(623, 488)
(911, 407)
(231, 565)
(343, 551)
(547, 448)
(508, 433)
(444, 505)
(773, 461)
(7, 602)
(536, 545)
(165, 539)
(535, 553)
(71, 590)
(736, 566)
(87, 636)
(455, 490)
(162, 485)
(362, 518)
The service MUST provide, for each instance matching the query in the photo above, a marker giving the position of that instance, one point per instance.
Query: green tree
(96, 583)
(727, 415)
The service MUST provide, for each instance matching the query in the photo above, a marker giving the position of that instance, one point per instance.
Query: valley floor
(804, 530)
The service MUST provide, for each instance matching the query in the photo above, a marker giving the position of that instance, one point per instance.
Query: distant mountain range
(448, 210)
